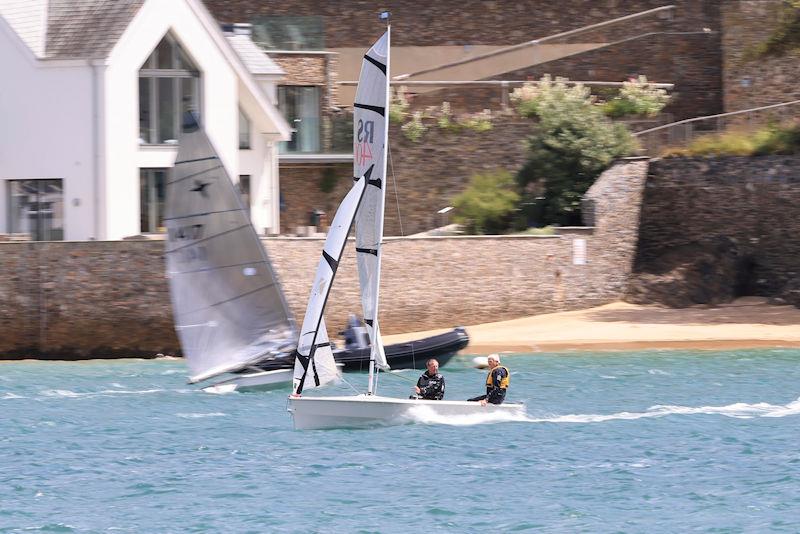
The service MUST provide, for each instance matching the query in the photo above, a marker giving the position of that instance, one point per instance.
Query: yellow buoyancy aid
(503, 382)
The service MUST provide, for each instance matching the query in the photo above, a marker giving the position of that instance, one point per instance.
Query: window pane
(152, 196)
(244, 130)
(144, 109)
(300, 107)
(37, 209)
(164, 55)
(166, 109)
(165, 93)
(159, 184)
(144, 202)
(51, 211)
(290, 32)
(184, 62)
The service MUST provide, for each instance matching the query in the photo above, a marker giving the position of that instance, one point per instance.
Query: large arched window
(169, 86)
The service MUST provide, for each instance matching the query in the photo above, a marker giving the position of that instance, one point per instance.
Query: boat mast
(372, 382)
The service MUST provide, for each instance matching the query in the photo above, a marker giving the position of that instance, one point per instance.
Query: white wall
(79, 122)
(46, 130)
(219, 101)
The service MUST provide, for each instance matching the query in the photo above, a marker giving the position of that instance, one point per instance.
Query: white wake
(739, 410)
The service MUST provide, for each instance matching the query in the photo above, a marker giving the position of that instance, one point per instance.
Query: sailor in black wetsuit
(431, 384)
(496, 382)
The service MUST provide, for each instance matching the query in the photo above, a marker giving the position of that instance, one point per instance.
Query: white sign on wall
(579, 252)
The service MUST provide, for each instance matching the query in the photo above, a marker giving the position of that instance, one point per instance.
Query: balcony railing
(681, 133)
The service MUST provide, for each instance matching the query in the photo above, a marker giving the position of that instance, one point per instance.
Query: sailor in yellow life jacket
(496, 382)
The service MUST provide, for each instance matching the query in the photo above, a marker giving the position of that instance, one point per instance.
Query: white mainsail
(370, 135)
(314, 364)
(228, 307)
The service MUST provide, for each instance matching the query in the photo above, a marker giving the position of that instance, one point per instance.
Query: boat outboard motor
(355, 335)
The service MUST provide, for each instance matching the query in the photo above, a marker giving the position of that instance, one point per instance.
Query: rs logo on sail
(364, 138)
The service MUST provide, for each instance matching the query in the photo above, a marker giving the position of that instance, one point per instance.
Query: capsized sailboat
(228, 307)
(370, 136)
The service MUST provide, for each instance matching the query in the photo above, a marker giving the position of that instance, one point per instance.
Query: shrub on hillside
(772, 139)
(637, 97)
(572, 143)
(398, 106)
(487, 204)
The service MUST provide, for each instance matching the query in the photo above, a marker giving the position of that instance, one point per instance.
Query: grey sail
(228, 307)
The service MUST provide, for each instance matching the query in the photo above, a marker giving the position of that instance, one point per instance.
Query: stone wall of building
(681, 46)
(742, 209)
(423, 176)
(83, 299)
(456, 22)
(757, 82)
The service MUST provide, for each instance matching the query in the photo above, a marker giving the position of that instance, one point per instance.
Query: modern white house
(91, 99)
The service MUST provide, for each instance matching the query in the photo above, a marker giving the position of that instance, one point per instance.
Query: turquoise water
(634, 442)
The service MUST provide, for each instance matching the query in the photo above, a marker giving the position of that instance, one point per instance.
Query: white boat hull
(310, 413)
(260, 381)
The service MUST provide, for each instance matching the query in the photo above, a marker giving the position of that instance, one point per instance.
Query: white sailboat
(229, 310)
(370, 140)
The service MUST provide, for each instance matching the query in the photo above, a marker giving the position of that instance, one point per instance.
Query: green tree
(572, 143)
(487, 204)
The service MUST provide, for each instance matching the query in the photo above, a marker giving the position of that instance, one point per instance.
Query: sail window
(169, 86)
(300, 106)
(152, 197)
(36, 209)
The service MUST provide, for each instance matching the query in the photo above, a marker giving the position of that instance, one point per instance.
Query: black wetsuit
(496, 386)
(431, 387)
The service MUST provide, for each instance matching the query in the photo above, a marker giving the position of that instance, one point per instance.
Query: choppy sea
(672, 441)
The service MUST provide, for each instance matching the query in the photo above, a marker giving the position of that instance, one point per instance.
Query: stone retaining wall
(106, 299)
(753, 202)
(757, 82)
(423, 177)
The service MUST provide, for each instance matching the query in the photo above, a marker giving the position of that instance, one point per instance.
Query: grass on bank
(772, 139)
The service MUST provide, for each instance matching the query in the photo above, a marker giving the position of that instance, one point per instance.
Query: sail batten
(227, 303)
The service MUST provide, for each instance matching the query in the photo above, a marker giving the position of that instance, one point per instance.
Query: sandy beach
(749, 322)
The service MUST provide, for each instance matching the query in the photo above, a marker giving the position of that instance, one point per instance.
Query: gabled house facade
(91, 103)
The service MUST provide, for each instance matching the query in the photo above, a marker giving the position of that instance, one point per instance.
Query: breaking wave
(73, 394)
(200, 415)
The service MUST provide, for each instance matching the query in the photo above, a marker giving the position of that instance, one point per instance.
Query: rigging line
(401, 377)
(394, 183)
(349, 384)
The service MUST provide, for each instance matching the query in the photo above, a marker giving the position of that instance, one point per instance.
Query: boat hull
(260, 381)
(411, 355)
(312, 413)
